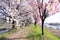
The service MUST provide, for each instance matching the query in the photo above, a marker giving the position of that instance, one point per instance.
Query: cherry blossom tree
(47, 9)
(43, 13)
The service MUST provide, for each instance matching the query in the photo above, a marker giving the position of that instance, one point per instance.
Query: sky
(53, 19)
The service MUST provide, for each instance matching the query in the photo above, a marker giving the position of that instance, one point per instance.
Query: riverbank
(54, 31)
(35, 34)
(6, 34)
(29, 32)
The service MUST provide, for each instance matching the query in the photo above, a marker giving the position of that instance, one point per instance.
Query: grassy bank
(2, 36)
(35, 34)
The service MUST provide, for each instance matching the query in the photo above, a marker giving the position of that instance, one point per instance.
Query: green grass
(35, 34)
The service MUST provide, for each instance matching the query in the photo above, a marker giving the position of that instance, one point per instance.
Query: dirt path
(20, 35)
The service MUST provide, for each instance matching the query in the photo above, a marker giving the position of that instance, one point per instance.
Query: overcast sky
(53, 19)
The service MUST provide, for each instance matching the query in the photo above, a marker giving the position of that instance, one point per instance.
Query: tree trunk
(13, 24)
(42, 27)
(35, 23)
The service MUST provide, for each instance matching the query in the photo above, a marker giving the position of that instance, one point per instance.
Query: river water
(4, 27)
(53, 26)
(3, 31)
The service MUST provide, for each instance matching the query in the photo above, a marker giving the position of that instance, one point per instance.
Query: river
(3, 31)
(53, 26)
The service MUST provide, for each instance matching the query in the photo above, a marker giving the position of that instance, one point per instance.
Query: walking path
(20, 35)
